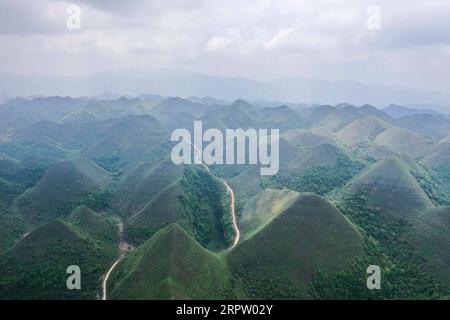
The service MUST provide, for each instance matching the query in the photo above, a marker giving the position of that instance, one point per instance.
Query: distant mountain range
(170, 82)
(396, 111)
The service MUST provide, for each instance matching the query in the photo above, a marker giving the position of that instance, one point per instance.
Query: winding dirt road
(105, 280)
(233, 215)
(125, 247)
(231, 192)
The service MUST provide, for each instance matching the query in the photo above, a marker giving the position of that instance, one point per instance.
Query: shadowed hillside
(35, 268)
(431, 234)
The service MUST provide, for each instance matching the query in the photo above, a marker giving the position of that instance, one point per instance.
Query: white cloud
(220, 43)
(280, 39)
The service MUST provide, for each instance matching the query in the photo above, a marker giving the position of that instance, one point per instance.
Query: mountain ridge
(161, 81)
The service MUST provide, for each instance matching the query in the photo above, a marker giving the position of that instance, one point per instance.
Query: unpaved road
(105, 279)
(233, 215)
(231, 192)
(125, 247)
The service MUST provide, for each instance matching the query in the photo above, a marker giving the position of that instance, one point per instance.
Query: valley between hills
(125, 247)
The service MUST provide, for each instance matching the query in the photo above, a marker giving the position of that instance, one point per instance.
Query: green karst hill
(172, 265)
(35, 268)
(389, 185)
(316, 236)
(60, 190)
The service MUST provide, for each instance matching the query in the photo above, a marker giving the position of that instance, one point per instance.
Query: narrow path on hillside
(105, 280)
(124, 247)
(231, 192)
(233, 215)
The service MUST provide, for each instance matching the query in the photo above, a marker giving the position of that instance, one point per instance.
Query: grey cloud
(141, 7)
(31, 17)
(414, 25)
(253, 38)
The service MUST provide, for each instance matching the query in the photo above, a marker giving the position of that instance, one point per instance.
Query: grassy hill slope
(196, 201)
(35, 268)
(99, 230)
(305, 140)
(282, 118)
(431, 234)
(316, 236)
(144, 182)
(12, 227)
(164, 209)
(261, 209)
(404, 141)
(318, 170)
(438, 156)
(389, 186)
(171, 265)
(361, 131)
(60, 190)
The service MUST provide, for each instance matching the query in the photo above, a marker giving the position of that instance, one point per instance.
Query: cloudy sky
(257, 39)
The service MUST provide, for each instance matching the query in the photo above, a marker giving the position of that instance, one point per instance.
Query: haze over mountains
(172, 82)
(88, 181)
